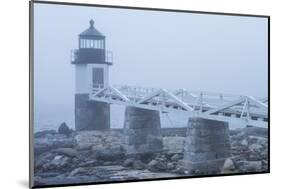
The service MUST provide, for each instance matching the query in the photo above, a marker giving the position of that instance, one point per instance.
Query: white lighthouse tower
(92, 62)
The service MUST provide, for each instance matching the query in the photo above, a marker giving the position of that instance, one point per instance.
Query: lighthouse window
(84, 43)
(91, 44)
(81, 43)
(98, 77)
(102, 44)
(97, 44)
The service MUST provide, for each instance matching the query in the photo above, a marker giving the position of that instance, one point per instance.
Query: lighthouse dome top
(91, 32)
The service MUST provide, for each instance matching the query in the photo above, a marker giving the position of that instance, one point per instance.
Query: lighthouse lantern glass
(92, 43)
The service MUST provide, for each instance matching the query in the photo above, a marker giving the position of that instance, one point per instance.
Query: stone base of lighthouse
(91, 115)
(207, 145)
(142, 130)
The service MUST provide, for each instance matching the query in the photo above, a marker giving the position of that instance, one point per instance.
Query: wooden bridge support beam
(142, 130)
(207, 145)
(91, 115)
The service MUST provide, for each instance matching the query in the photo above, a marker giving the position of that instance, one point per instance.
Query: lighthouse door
(98, 78)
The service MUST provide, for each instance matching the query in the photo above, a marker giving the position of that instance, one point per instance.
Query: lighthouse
(92, 62)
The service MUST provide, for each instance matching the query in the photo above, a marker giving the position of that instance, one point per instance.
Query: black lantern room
(91, 48)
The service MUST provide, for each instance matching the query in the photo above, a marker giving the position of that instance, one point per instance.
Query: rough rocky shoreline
(66, 156)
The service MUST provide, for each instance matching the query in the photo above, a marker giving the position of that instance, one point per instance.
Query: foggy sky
(155, 49)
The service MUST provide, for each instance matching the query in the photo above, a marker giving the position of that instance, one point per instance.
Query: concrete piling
(142, 130)
(91, 115)
(207, 145)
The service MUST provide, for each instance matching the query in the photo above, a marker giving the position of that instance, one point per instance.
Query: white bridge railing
(216, 106)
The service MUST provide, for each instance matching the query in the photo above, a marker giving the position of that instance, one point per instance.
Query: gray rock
(250, 166)
(171, 166)
(59, 162)
(258, 140)
(138, 164)
(254, 157)
(255, 147)
(90, 163)
(176, 157)
(77, 171)
(244, 142)
(64, 129)
(228, 166)
(113, 153)
(254, 165)
(128, 162)
(256, 131)
(157, 165)
(44, 133)
(179, 170)
(84, 146)
(39, 162)
(70, 152)
(47, 144)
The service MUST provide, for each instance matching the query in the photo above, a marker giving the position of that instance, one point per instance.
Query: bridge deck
(216, 106)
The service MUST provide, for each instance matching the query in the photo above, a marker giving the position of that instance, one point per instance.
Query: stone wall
(174, 132)
(165, 132)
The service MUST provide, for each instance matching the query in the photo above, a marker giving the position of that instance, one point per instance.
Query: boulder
(244, 142)
(249, 166)
(58, 163)
(38, 163)
(138, 164)
(255, 147)
(253, 165)
(258, 140)
(253, 156)
(176, 157)
(113, 153)
(157, 165)
(179, 170)
(44, 133)
(47, 144)
(228, 166)
(77, 171)
(128, 162)
(64, 129)
(84, 146)
(171, 166)
(90, 163)
(256, 131)
(70, 152)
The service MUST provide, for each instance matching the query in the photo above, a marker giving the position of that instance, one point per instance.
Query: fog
(155, 49)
